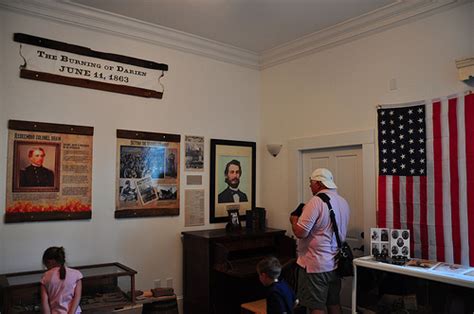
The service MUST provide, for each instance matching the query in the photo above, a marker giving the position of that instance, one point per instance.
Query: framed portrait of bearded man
(232, 178)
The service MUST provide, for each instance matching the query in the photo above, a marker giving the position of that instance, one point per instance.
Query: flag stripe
(445, 162)
(464, 228)
(389, 203)
(409, 208)
(424, 217)
(382, 222)
(429, 209)
(469, 116)
(438, 181)
(403, 202)
(396, 202)
(454, 179)
(416, 217)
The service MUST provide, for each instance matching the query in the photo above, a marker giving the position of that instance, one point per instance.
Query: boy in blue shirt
(280, 298)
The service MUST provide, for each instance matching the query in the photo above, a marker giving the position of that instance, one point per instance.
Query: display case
(105, 288)
(419, 286)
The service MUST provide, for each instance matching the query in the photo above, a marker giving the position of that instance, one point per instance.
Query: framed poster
(194, 153)
(49, 174)
(232, 178)
(147, 174)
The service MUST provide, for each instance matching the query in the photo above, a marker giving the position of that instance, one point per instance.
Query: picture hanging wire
(159, 81)
(24, 60)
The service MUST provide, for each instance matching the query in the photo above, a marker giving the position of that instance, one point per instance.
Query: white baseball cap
(325, 176)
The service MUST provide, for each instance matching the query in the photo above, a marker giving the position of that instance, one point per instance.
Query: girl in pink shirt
(61, 286)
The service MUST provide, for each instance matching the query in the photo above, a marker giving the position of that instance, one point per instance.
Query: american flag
(426, 176)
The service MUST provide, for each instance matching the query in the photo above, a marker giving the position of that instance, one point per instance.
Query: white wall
(202, 97)
(332, 91)
(337, 90)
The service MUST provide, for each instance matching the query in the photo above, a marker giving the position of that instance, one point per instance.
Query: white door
(345, 163)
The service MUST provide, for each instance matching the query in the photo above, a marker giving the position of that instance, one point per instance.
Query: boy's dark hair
(58, 255)
(270, 266)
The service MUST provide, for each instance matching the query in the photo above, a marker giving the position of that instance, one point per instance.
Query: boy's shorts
(316, 290)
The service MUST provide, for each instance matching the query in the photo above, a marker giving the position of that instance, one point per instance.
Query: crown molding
(66, 12)
(391, 15)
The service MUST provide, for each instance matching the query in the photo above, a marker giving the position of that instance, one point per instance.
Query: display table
(445, 274)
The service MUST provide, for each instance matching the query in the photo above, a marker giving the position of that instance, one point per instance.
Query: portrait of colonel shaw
(36, 175)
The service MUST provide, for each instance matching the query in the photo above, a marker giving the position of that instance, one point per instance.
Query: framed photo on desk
(232, 178)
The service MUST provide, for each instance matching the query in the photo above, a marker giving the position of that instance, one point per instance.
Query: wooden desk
(255, 307)
(220, 267)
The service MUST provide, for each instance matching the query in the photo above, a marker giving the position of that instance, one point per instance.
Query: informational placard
(147, 174)
(193, 180)
(194, 208)
(62, 63)
(49, 174)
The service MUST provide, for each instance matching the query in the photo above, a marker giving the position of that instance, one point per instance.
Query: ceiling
(253, 25)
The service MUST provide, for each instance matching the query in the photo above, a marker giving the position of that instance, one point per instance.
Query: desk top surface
(443, 272)
(220, 233)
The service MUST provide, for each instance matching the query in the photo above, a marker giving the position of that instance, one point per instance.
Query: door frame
(364, 138)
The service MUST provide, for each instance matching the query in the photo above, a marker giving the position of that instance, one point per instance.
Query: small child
(61, 286)
(280, 298)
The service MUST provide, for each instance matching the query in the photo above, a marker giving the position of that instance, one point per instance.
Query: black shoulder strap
(326, 199)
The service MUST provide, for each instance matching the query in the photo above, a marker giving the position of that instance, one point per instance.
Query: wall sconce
(465, 69)
(274, 149)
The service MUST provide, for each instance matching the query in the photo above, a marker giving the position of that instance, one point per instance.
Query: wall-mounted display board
(147, 174)
(63, 63)
(49, 175)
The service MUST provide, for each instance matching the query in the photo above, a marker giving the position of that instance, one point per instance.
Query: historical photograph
(128, 191)
(194, 153)
(167, 192)
(36, 165)
(171, 165)
(139, 162)
(146, 190)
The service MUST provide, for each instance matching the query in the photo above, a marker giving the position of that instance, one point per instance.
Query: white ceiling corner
(378, 20)
(69, 12)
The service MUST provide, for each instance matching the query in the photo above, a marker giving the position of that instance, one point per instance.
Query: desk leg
(354, 290)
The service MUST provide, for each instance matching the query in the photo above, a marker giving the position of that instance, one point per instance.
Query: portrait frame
(234, 222)
(222, 152)
(20, 161)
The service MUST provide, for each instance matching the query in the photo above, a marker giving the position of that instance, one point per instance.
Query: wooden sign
(58, 62)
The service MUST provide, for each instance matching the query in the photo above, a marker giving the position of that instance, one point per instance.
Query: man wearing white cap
(319, 284)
